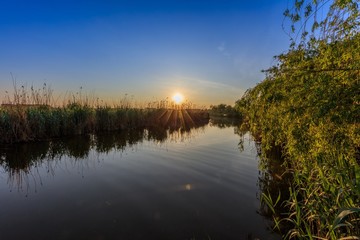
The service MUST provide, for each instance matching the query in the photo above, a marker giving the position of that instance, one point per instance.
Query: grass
(311, 198)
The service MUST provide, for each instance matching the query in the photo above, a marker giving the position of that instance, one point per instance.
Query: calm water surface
(195, 185)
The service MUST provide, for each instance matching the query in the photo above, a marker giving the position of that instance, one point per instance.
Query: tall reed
(31, 116)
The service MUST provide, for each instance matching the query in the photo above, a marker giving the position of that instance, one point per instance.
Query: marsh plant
(32, 115)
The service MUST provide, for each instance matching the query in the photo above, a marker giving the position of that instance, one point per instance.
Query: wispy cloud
(214, 85)
(223, 50)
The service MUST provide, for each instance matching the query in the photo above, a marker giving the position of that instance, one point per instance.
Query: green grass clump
(21, 123)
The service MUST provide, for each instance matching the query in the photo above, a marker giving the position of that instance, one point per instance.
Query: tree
(312, 21)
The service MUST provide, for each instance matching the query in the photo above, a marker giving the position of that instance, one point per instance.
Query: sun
(178, 98)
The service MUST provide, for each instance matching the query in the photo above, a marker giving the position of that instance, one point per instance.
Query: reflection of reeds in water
(22, 161)
(222, 122)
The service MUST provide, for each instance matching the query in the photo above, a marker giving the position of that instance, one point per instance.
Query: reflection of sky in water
(188, 186)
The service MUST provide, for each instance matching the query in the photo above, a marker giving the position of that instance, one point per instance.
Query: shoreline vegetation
(224, 111)
(31, 116)
(308, 106)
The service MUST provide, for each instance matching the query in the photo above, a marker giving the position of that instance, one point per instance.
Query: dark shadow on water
(274, 178)
(274, 181)
(19, 160)
(225, 122)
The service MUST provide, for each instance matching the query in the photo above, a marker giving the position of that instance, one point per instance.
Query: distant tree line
(224, 110)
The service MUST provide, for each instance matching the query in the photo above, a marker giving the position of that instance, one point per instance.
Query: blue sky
(211, 51)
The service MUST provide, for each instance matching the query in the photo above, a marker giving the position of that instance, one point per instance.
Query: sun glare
(178, 98)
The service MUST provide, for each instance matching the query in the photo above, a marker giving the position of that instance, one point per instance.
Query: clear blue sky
(211, 51)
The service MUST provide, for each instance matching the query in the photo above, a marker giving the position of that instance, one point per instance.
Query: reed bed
(31, 116)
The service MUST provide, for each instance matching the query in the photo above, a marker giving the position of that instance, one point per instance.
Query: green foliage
(309, 103)
(322, 20)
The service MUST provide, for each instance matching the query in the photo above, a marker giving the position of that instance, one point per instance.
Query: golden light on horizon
(178, 98)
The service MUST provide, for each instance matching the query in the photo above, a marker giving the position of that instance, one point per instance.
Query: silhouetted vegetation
(223, 110)
(25, 118)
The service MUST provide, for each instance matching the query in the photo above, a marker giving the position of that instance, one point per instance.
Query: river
(143, 184)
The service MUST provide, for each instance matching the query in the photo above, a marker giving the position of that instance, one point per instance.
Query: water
(139, 185)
